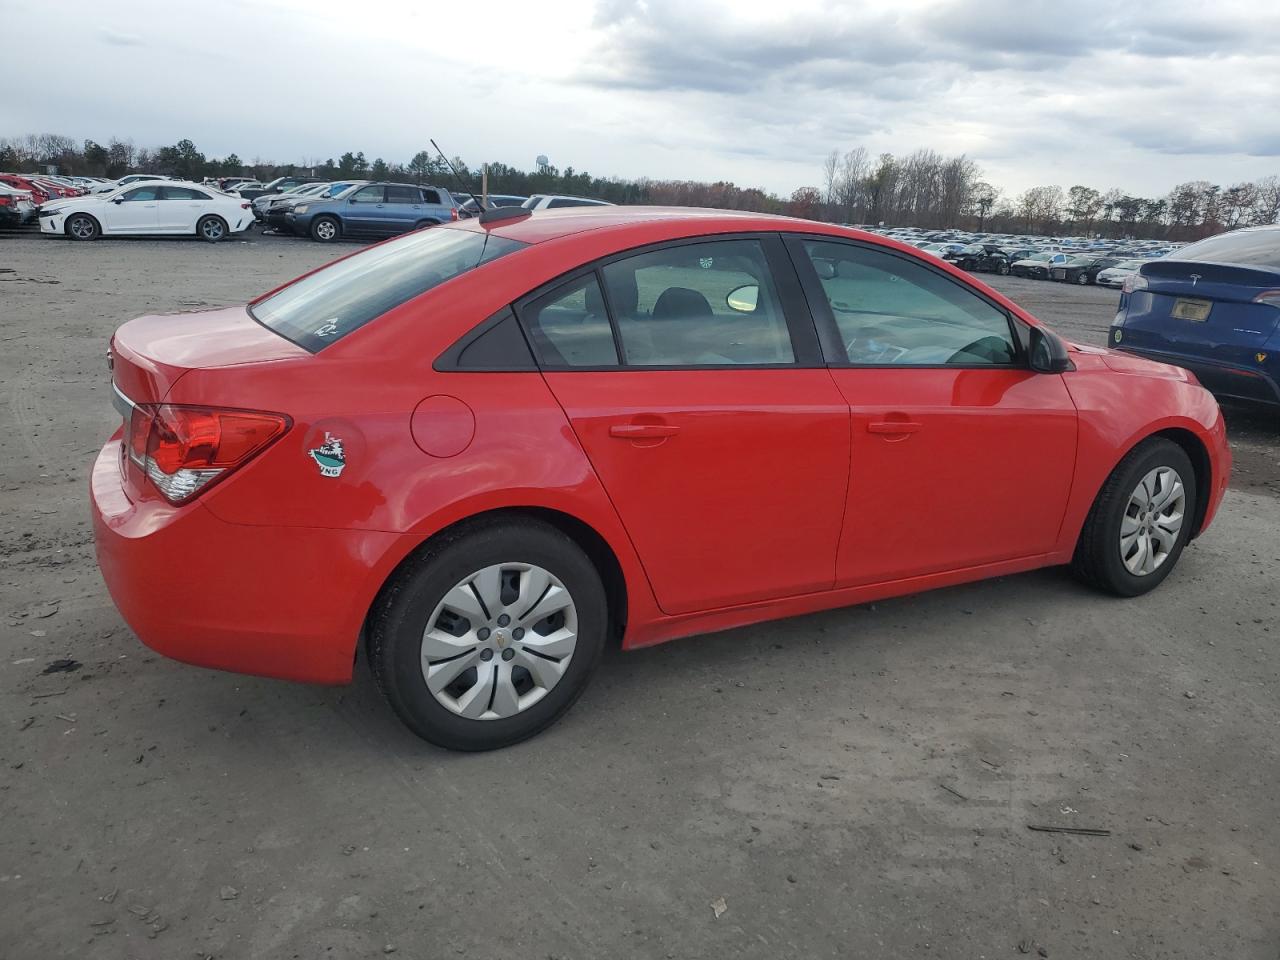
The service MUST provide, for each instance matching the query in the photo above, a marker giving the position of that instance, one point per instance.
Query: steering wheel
(869, 343)
(992, 349)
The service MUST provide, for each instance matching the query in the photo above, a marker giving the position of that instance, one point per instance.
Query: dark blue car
(1214, 308)
(372, 210)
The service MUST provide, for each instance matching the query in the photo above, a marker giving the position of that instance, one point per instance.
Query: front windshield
(324, 307)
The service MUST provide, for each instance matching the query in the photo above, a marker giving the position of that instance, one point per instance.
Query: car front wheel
(1140, 521)
(325, 229)
(489, 637)
(81, 226)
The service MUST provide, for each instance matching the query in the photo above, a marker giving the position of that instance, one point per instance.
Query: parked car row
(153, 203)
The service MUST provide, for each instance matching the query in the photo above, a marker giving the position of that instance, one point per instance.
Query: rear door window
(703, 304)
(324, 307)
(570, 326)
(403, 195)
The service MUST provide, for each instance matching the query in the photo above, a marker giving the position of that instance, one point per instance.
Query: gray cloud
(117, 39)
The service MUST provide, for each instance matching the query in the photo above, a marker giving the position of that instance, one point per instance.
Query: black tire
(326, 229)
(1082, 278)
(86, 227)
(212, 229)
(1098, 559)
(1003, 269)
(405, 606)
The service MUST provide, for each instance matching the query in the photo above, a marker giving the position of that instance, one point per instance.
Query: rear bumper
(285, 602)
(1220, 379)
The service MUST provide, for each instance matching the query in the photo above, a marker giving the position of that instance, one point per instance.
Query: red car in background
(483, 451)
(41, 193)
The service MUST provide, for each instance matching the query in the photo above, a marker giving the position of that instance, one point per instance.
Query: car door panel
(730, 483)
(952, 468)
(717, 432)
(131, 215)
(960, 454)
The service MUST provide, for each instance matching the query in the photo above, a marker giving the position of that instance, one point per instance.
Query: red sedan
(486, 450)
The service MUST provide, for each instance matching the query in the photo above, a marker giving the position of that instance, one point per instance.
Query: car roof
(544, 225)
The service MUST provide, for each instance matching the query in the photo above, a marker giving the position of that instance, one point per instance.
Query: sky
(1065, 92)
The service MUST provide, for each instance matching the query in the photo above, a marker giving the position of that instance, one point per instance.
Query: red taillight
(7, 200)
(183, 449)
(246, 206)
(453, 214)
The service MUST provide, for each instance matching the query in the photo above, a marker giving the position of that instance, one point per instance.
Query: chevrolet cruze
(482, 452)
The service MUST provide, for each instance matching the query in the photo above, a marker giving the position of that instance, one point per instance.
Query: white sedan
(149, 208)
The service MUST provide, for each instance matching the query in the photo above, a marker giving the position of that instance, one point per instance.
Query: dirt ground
(858, 783)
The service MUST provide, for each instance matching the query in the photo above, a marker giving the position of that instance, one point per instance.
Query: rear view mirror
(825, 269)
(117, 199)
(1049, 352)
(744, 298)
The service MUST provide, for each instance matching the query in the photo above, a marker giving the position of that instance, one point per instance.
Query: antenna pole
(457, 179)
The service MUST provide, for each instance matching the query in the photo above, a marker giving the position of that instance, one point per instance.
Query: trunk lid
(1202, 309)
(150, 354)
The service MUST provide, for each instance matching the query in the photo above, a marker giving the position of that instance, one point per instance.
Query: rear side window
(182, 193)
(327, 305)
(403, 195)
(1255, 248)
(570, 326)
(430, 196)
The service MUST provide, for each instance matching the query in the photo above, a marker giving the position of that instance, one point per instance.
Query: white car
(152, 207)
(1115, 276)
(112, 185)
(545, 201)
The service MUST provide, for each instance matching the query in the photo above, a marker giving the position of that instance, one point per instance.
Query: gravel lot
(853, 784)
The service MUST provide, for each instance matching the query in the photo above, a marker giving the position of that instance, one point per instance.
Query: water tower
(543, 163)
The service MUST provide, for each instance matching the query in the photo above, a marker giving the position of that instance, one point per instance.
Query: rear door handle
(643, 431)
(893, 426)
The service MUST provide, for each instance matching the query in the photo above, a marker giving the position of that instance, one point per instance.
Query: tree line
(921, 189)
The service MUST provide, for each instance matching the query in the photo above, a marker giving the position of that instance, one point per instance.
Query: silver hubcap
(1152, 520)
(325, 230)
(499, 641)
(212, 229)
(81, 228)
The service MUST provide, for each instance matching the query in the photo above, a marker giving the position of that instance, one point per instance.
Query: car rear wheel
(1140, 521)
(489, 637)
(325, 229)
(81, 226)
(211, 228)
(1082, 278)
(1003, 269)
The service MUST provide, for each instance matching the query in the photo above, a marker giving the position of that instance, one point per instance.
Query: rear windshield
(323, 308)
(1257, 248)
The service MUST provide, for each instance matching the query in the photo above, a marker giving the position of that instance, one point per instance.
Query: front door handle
(893, 426)
(643, 431)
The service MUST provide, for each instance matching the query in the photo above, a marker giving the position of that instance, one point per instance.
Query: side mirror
(1048, 352)
(117, 199)
(744, 298)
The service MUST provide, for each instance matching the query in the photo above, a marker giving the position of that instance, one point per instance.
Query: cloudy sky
(1135, 95)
